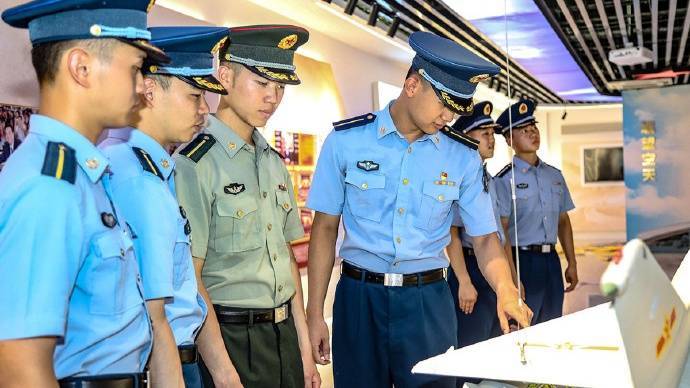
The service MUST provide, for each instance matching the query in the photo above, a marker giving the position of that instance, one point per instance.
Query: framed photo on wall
(602, 165)
(14, 128)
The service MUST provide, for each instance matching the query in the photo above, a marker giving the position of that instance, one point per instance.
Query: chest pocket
(284, 203)
(435, 205)
(112, 275)
(366, 194)
(237, 224)
(182, 255)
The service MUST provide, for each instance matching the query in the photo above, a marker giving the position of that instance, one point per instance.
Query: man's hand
(467, 295)
(312, 378)
(571, 277)
(319, 337)
(510, 305)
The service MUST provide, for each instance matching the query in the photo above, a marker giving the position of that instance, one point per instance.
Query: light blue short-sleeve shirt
(395, 198)
(67, 267)
(144, 189)
(541, 196)
(457, 219)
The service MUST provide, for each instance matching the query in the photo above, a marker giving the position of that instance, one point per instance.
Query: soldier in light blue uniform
(543, 202)
(476, 312)
(394, 178)
(70, 294)
(144, 188)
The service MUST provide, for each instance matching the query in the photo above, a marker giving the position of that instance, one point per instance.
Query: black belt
(250, 316)
(468, 252)
(538, 248)
(134, 380)
(188, 354)
(394, 279)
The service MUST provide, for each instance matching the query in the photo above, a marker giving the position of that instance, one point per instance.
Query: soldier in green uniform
(241, 207)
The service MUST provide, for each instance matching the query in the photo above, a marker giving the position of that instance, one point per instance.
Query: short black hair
(46, 57)
(161, 79)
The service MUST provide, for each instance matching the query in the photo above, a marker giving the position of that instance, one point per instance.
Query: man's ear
(413, 85)
(150, 91)
(226, 76)
(80, 65)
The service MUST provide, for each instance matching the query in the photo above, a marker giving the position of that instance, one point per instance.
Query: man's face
(485, 136)
(428, 113)
(9, 135)
(118, 84)
(253, 97)
(182, 109)
(525, 138)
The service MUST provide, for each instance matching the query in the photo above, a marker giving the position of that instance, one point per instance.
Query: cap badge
(487, 109)
(479, 78)
(522, 109)
(287, 42)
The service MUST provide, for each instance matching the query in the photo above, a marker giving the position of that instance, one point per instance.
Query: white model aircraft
(640, 339)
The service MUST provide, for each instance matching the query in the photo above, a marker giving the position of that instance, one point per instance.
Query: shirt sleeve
(293, 228)
(456, 220)
(505, 203)
(141, 200)
(194, 197)
(40, 257)
(475, 203)
(567, 201)
(327, 193)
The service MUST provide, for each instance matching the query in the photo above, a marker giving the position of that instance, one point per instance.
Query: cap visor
(461, 106)
(207, 82)
(277, 75)
(153, 54)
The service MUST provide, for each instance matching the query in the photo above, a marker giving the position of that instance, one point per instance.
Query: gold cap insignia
(153, 68)
(522, 109)
(287, 42)
(218, 45)
(479, 78)
(487, 109)
(95, 30)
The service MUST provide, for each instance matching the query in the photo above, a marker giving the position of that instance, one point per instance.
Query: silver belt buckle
(546, 248)
(280, 314)
(393, 279)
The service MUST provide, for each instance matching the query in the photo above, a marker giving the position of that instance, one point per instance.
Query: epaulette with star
(60, 162)
(460, 138)
(197, 148)
(505, 170)
(146, 162)
(354, 122)
(551, 166)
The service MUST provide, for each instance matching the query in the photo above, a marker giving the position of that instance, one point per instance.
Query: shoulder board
(197, 148)
(461, 138)
(276, 151)
(60, 162)
(354, 122)
(504, 170)
(146, 162)
(546, 164)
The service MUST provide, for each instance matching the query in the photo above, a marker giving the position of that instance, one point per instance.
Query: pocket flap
(111, 244)
(365, 181)
(441, 193)
(236, 207)
(283, 200)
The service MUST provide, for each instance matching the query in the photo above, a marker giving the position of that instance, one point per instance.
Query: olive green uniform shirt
(241, 206)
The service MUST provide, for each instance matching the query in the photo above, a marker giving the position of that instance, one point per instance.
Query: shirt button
(265, 194)
(122, 252)
(240, 213)
(401, 211)
(398, 240)
(286, 206)
(409, 149)
(280, 288)
(275, 257)
(269, 226)
(440, 197)
(365, 186)
(406, 181)
(396, 264)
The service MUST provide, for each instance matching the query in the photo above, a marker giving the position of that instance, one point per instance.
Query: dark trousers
(380, 333)
(266, 355)
(482, 323)
(543, 280)
(192, 375)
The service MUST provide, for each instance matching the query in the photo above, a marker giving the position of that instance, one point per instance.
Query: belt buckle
(393, 279)
(546, 248)
(280, 314)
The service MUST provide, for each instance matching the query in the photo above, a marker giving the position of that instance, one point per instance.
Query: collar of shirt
(386, 126)
(89, 158)
(523, 166)
(229, 140)
(158, 154)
